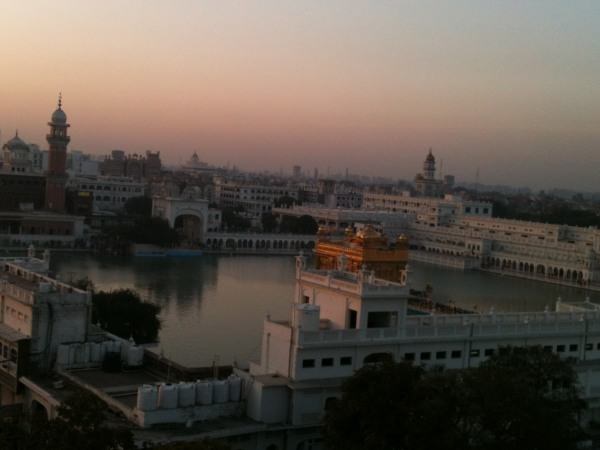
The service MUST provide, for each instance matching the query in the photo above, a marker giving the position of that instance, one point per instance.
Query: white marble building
(341, 321)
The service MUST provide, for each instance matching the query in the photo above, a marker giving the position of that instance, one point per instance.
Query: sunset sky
(511, 87)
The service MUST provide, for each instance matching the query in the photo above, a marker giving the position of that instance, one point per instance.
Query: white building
(110, 193)
(341, 321)
(255, 199)
(37, 314)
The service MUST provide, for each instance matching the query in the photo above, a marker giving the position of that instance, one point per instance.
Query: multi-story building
(109, 193)
(134, 166)
(22, 191)
(342, 321)
(255, 199)
(37, 314)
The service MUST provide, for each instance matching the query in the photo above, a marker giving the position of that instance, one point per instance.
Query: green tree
(206, 444)
(233, 220)
(521, 398)
(269, 222)
(122, 312)
(80, 425)
(524, 398)
(139, 206)
(306, 225)
(285, 201)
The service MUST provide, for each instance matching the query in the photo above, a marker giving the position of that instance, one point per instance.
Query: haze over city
(509, 87)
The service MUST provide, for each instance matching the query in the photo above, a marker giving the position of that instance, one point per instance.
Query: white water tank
(204, 392)
(125, 351)
(73, 354)
(147, 397)
(235, 388)
(95, 352)
(220, 391)
(167, 396)
(106, 348)
(187, 394)
(62, 356)
(307, 317)
(135, 356)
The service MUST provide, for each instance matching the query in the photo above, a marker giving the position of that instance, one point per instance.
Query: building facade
(341, 322)
(135, 166)
(108, 193)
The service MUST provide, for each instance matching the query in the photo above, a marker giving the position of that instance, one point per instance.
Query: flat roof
(9, 334)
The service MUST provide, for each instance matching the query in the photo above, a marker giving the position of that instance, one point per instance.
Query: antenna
(477, 177)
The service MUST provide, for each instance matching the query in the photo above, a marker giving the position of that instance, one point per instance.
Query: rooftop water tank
(307, 317)
(147, 397)
(187, 394)
(135, 356)
(204, 392)
(62, 356)
(95, 352)
(235, 388)
(220, 391)
(167, 396)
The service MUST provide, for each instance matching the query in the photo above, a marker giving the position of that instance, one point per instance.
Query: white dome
(59, 116)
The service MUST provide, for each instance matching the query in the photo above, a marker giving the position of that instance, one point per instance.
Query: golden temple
(368, 248)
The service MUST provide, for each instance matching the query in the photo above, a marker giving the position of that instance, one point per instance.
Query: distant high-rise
(56, 177)
(297, 172)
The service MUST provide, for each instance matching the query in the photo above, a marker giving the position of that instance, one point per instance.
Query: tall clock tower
(56, 176)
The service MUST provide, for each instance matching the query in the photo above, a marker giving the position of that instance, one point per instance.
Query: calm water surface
(215, 305)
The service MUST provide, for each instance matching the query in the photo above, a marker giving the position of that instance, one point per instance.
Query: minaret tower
(429, 167)
(56, 177)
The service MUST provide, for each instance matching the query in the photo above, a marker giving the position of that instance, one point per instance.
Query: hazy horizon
(508, 87)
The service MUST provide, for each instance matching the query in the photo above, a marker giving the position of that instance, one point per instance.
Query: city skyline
(371, 87)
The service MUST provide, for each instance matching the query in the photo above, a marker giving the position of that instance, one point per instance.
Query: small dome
(430, 157)
(16, 143)
(368, 232)
(59, 116)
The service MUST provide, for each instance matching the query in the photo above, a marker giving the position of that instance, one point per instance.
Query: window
(560, 348)
(573, 347)
(425, 356)
(547, 348)
(346, 361)
(352, 318)
(598, 346)
(409, 357)
(382, 319)
(475, 353)
(488, 352)
(440, 355)
(589, 346)
(305, 299)
(326, 362)
(456, 354)
(308, 363)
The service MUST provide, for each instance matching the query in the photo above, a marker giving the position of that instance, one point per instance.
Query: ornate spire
(59, 100)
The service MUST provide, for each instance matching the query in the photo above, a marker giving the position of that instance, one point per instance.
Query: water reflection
(215, 305)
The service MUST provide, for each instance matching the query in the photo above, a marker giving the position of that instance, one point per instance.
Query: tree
(122, 312)
(524, 398)
(285, 201)
(139, 206)
(79, 425)
(206, 444)
(298, 225)
(519, 398)
(234, 221)
(269, 222)
(306, 225)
